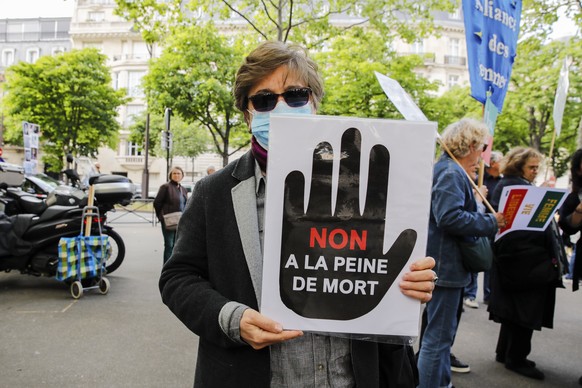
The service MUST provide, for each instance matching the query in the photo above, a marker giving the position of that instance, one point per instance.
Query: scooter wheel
(76, 290)
(104, 285)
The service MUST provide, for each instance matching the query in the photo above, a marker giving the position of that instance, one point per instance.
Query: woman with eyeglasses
(454, 217)
(524, 275)
(212, 282)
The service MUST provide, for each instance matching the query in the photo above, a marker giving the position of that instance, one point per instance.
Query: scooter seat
(55, 210)
(32, 205)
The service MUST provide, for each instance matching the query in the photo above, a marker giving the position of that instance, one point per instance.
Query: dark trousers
(169, 238)
(514, 343)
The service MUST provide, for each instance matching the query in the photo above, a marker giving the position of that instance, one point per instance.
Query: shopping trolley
(82, 258)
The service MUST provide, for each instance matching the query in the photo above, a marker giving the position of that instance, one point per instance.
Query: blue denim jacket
(453, 215)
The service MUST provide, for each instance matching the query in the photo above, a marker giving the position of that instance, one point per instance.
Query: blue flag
(491, 28)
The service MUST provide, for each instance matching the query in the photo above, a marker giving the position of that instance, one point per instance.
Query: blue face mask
(260, 121)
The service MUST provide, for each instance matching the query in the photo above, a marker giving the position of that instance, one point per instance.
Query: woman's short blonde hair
(267, 58)
(515, 160)
(461, 135)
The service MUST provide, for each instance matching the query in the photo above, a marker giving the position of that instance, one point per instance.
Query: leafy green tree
(453, 105)
(527, 114)
(189, 140)
(313, 22)
(351, 86)
(152, 18)
(70, 97)
(539, 16)
(194, 77)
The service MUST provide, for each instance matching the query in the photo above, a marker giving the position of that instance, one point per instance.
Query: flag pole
(551, 153)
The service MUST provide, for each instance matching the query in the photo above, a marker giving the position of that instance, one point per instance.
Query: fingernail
(278, 328)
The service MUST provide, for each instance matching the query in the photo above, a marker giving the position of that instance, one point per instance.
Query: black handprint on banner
(333, 266)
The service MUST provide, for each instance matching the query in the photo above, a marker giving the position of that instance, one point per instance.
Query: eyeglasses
(483, 149)
(265, 102)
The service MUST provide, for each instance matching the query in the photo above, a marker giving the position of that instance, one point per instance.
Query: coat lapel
(245, 210)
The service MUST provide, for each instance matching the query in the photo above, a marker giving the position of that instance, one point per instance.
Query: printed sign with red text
(529, 207)
(347, 210)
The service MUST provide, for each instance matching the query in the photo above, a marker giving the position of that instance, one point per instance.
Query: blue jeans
(434, 362)
(471, 288)
(169, 238)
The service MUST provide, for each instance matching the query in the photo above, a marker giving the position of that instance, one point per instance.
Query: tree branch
(245, 18)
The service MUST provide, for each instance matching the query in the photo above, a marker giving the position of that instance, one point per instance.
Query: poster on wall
(31, 135)
(346, 213)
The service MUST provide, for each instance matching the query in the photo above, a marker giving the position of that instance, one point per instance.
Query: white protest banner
(529, 207)
(561, 94)
(347, 208)
(401, 100)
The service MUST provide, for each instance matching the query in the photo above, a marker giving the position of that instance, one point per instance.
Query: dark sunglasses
(265, 102)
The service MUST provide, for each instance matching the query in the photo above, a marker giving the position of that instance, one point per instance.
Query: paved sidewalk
(557, 352)
(128, 338)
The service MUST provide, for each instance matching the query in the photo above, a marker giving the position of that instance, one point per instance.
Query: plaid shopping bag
(82, 257)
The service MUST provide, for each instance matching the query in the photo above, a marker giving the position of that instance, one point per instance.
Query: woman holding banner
(524, 276)
(212, 282)
(454, 216)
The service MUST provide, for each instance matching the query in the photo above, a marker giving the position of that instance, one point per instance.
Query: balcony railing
(130, 57)
(133, 162)
(455, 60)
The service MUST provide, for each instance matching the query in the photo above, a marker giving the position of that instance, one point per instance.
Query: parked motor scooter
(29, 240)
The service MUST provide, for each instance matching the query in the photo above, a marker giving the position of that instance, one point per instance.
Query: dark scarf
(259, 153)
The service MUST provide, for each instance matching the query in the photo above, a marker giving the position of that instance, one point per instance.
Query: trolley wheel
(104, 285)
(76, 290)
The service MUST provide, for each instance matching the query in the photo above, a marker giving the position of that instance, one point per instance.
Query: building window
(32, 55)
(456, 15)
(132, 112)
(96, 45)
(7, 57)
(454, 47)
(133, 149)
(115, 80)
(58, 50)
(96, 16)
(417, 47)
(134, 83)
(140, 50)
(453, 81)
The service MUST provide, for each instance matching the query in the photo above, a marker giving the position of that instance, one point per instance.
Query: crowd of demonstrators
(524, 277)
(209, 277)
(210, 281)
(171, 198)
(453, 216)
